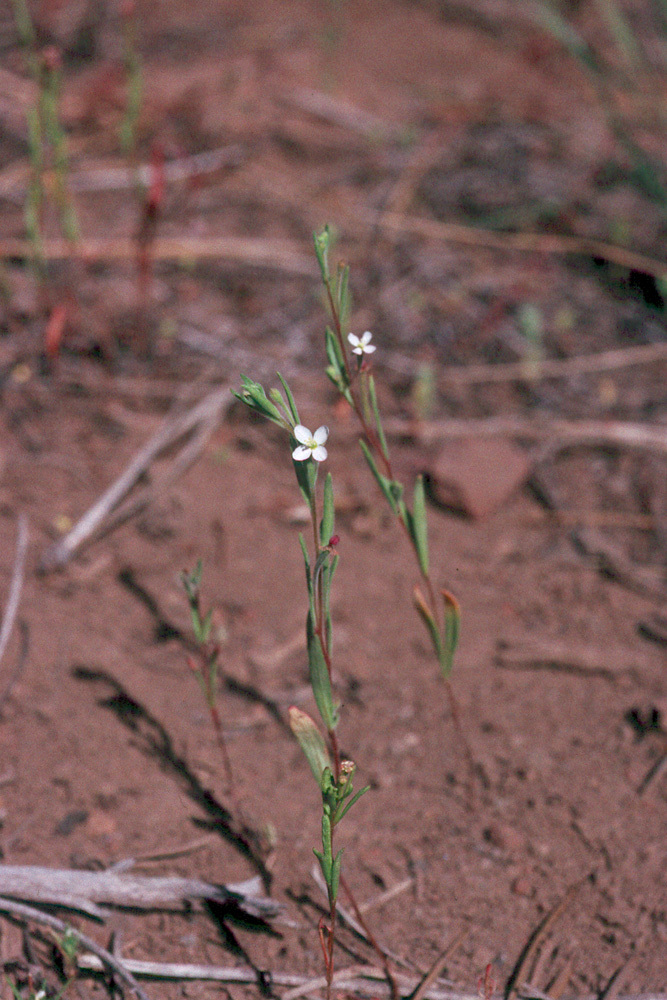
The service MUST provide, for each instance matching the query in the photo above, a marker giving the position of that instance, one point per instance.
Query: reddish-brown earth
(462, 113)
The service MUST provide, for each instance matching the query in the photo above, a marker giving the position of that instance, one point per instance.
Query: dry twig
(15, 585)
(201, 418)
(623, 434)
(560, 656)
(108, 960)
(272, 255)
(549, 368)
(83, 890)
(545, 243)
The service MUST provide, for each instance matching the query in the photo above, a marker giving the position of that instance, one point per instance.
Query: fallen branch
(105, 957)
(272, 255)
(546, 243)
(336, 112)
(360, 979)
(205, 414)
(646, 437)
(549, 368)
(15, 585)
(96, 177)
(84, 890)
(611, 561)
(560, 656)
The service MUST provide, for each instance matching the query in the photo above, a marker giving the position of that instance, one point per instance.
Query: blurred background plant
(629, 74)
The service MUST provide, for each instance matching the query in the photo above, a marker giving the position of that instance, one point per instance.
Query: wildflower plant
(333, 775)
(47, 141)
(350, 371)
(206, 664)
(356, 383)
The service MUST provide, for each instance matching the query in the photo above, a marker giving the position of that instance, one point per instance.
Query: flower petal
(319, 453)
(369, 348)
(366, 338)
(321, 434)
(301, 453)
(302, 434)
(353, 339)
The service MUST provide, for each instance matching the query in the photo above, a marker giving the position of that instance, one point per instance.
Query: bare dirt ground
(428, 136)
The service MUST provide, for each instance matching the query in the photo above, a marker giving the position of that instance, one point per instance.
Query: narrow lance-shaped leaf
(344, 298)
(451, 632)
(348, 805)
(376, 413)
(290, 399)
(382, 481)
(306, 560)
(278, 398)
(319, 676)
(253, 395)
(328, 511)
(311, 742)
(420, 525)
(322, 252)
(335, 877)
(426, 615)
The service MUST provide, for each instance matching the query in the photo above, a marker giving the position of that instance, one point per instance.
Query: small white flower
(361, 345)
(310, 444)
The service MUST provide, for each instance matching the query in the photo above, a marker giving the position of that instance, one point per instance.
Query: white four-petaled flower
(361, 345)
(310, 444)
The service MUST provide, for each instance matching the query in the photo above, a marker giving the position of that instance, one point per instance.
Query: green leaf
(319, 676)
(311, 742)
(335, 876)
(451, 630)
(306, 560)
(290, 399)
(426, 615)
(322, 252)
(345, 807)
(376, 413)
(386, 485)
(326, 839)
(337, 370)
(343, 295)
(420, 525)
(328, 512)
(205, 626)
(253, 395)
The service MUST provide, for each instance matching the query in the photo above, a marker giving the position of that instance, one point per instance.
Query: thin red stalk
(373, 943)
(217, 725)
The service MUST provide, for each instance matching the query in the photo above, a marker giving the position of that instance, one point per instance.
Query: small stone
(505, 838)
(100, 824)
(477, 475)
(522, 886)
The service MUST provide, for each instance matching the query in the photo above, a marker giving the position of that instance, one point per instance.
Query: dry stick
(352, 979)
(560, 656)
(431, 977)
(546, 243)
(36, 916)
(274, 255)
(537, 936)
(612, 562)
(69, 887)
(15, 585)
(355, 926)
(581, 364)
(648, 437)
(206, 411)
